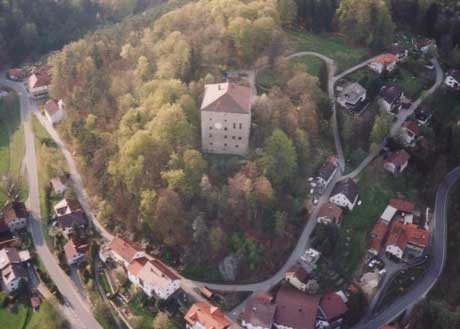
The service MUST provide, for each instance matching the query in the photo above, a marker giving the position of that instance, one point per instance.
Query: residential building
(54, 111)
(397, 162)
(258, 313)
(15, 74)
(311, 256)
(329, 213)
(377, 236)
(226, 118)
(423, 114)
(298, 277)
(15, 216)
(75, 251)
(295, 309)
(39, 82)
(120, 251)
(67, 206)
(11, 268)
(333, 308)
(410, 133)
(399, 51)
(390, 98)
(345, 194)
(325, 173)
(352, 95)
(406, 240)
(58, 184)
(204, 316)
(384, 63)
(426, 45)
(153, 277)
(453, 79)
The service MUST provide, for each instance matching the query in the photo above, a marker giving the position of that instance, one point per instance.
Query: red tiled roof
(295, 309)
(333, 306)
(398, 236)
(401, 205)
(123, 249)
(386, 59)
(136, 265)
(207, 315)
(377, 235)
(412, 126)
(398, 158)
(330, 210)
(417, 236)
(40, 78)
(72, 247)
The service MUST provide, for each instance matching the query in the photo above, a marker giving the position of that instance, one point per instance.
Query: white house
(345, 194)
(54, 112)
(153, 277)
(226, 118)
(384, 62)
(15, 216)
(38, 83)
(453, 79)
(11, 269)
(120, 251)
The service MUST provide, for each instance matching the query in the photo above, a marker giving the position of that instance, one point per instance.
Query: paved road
(76, 310)
(436, 265)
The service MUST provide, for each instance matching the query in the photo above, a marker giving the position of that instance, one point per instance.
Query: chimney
(213, 309)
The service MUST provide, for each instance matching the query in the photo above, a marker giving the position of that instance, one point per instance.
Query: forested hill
(33, 27)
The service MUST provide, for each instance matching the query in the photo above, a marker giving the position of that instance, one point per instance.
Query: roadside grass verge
(12, 146)
(16, 318)
(50, 162)
(333, 46)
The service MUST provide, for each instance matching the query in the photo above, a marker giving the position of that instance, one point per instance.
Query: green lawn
(313, 64)
(411, 84)
(333, 46)
(14, 320)
(11, 140)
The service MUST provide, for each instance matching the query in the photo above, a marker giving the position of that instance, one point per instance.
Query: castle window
(241, 126)
(240, 138)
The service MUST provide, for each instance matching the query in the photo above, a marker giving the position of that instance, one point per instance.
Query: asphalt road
(76, 310)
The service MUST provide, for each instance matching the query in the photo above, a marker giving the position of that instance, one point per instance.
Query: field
(333, 46)
(11, 140)
(14, 319)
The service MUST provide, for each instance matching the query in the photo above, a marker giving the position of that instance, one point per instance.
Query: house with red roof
(15, 216)
(333, 308)
(120, 251)
(259, 312)
(295, 309)
(406, 240)
(226, 118)
(410, 133)
(384, 63)
(74, 251)
(39, 82)
(329, 213)
(205, 316)
(153, 277)
(298, 277)
(377, 236)
(397, 162)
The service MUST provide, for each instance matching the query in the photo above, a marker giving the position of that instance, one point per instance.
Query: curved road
(76, 310)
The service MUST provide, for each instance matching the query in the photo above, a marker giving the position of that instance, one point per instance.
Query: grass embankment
(14, 319)
(334, 46)
(11, 141)
(49, 156)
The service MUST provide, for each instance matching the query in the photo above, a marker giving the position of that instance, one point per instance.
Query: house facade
(54, 111)
(15, 216)
(120, 251)
(11, 269)
(452, 79)
(153, 277)
(38, 83)
(345, 194)
(226, 118)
